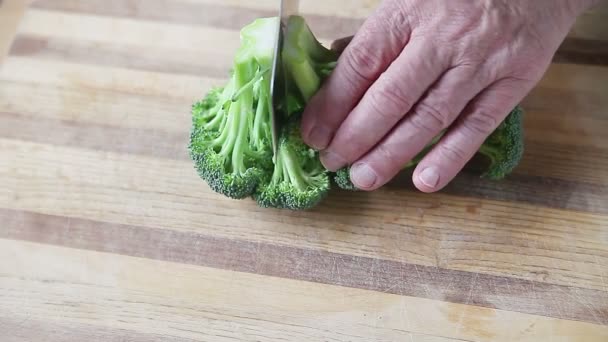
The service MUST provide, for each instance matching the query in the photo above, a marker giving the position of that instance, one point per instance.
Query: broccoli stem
(293, 168)
(249, 85)
(304, 75)
(489, 151)
(226, 139)
(305, 58)
(259, 131)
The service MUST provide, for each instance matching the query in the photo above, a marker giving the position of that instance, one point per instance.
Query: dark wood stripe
(556, 193)
(26, 329)
(504, 293)
(112, 55)
(583, 51)
(227, 17)
(148, 142)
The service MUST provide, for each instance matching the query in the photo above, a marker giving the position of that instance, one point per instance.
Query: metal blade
(278, 85)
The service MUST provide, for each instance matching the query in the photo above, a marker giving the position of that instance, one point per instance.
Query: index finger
(377, 43)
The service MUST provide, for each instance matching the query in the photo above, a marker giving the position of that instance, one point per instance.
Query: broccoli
(299, 180)
(231, 136)
(231, 140)
(504, 149)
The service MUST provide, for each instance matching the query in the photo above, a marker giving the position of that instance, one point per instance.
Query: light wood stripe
(71, 106)
(444, 231)
(26, 329)
(503, 293)
(62, 74)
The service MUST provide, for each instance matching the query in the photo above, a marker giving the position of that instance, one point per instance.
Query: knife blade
(278, 85)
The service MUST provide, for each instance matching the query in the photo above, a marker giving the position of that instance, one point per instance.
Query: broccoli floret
(231, 141)
(504, 148)
(299, 180)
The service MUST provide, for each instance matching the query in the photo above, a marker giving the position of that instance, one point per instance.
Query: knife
(278, 82)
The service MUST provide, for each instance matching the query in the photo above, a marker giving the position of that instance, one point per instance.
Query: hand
(417, 67)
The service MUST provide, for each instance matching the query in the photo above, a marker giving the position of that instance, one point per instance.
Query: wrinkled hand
(417, 67)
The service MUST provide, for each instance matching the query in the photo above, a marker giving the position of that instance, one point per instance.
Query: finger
(437, 110)
(374, 47)
(464, 139)
(340, 45)
(385, 103)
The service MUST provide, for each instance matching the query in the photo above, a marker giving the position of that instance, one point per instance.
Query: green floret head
(505, 147)
(231, 139)
(299, 180)
(342, 179)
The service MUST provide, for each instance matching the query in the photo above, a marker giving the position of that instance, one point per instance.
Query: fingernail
(363, 175)
(332, 161)
(430, 176)
(319, 137)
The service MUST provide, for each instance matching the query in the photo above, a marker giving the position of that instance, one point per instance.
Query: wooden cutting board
(107, 233)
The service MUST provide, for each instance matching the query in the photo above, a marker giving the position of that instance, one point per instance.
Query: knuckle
(388, 156)
(362, 64)
(481, 122)
(453, 153)
(389, 102)
(430, 118)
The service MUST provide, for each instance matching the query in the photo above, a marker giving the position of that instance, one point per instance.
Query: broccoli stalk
(306, 63)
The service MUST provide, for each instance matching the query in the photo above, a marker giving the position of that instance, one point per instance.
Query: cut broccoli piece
(299, 180)
(343, 181)
(504, 148)
(231, 141)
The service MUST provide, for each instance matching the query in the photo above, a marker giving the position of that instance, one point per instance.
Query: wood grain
(504, 293)
(108, 234)
(11, 12)
(498, 238)
(206, 304)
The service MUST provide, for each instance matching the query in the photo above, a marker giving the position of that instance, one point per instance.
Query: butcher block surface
(108, 234)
